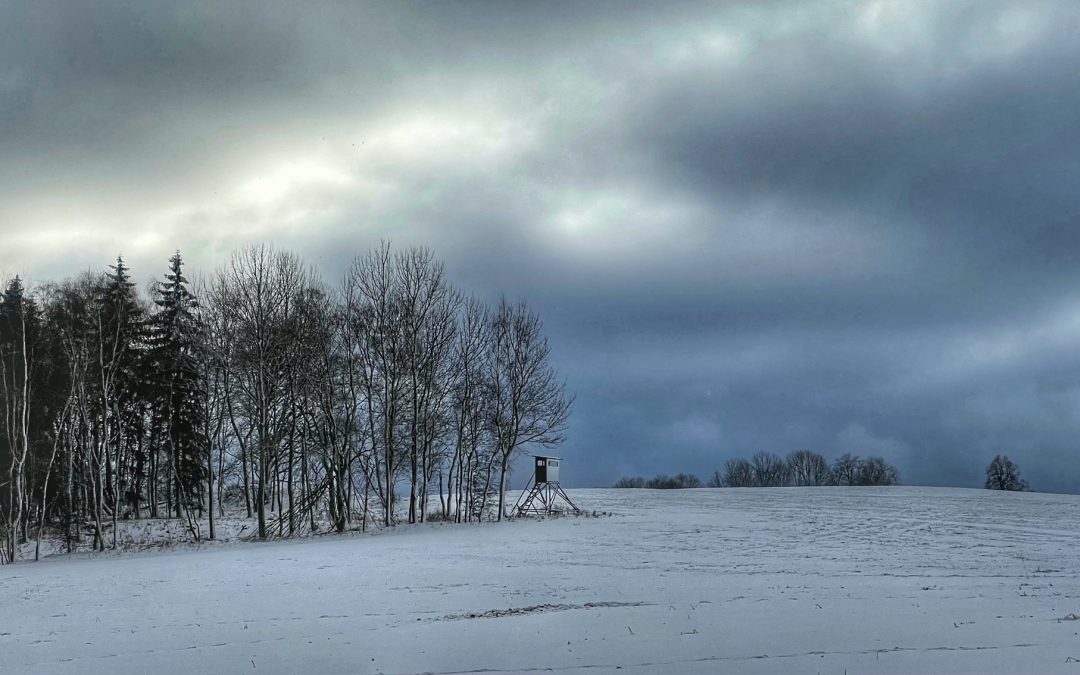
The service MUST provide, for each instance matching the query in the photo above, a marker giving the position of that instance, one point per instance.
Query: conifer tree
(19, 322)
(119, 347)
(178, 398)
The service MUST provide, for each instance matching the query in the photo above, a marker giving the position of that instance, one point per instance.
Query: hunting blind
(542, 495)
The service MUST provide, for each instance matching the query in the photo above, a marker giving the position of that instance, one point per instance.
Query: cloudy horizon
(847, 226)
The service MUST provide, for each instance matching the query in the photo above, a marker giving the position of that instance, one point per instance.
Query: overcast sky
(844, 226)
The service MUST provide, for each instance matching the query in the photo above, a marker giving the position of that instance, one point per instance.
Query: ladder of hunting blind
(541, 499)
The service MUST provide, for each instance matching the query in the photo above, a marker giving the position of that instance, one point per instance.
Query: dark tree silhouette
(808, 468)
(738, 473)
(1004, 474)
(845, 470)
(876, 471)
(770, 470)
(19, 331)
(175, 390)
(662, 481)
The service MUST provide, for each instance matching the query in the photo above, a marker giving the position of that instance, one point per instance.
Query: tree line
(806, 468)
(305, 402)
(767, 469)
(679, 481)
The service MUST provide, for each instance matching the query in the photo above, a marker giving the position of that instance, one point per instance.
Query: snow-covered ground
(817, 580)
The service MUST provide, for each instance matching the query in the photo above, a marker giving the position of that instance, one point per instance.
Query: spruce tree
(19, 330)
(178, 397)
(120, 342)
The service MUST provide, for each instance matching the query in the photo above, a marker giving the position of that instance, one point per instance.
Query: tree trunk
(210, 485)
(504, 465)
(260, 500)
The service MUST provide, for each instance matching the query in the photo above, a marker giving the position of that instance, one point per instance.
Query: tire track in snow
(534, 609)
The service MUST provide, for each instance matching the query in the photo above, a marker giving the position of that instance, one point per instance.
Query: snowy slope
(862, 580)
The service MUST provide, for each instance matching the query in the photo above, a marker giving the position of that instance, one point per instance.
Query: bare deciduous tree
(469, 464)
(808, 468)
(528, 403)
(845, 470)
(376, 320)
(738, 473)
(876, 471)
(770, 470)
(262, 291)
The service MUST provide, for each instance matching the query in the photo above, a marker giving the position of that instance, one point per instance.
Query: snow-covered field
(818, 580)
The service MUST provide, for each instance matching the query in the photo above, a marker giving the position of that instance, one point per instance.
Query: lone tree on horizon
(1004, 474)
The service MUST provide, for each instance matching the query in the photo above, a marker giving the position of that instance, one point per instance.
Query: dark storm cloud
(849, 226)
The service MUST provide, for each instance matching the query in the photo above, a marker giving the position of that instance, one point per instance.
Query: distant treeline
(661, 482)
(767, 469)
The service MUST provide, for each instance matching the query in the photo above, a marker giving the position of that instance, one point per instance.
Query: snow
(867, 580)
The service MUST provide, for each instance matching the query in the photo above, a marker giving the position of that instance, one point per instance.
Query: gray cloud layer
(849, 226)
